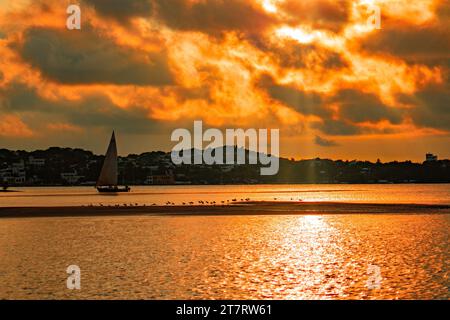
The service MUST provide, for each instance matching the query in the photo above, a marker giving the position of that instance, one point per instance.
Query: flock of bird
(170, 203)
(201, 202)
(190, 203)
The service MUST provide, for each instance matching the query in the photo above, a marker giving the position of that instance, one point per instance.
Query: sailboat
(107, 181)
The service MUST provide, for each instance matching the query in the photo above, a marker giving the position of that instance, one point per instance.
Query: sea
(314, 256)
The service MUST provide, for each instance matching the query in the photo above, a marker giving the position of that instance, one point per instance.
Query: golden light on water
(272, 256)
(362, 79)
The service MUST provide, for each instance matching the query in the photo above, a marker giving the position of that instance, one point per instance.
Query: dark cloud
(443, 11)
(354, 107)
(337, 127)
(94, 111)
(360, 107)
(430, 107)
(324, 142)
(86, 57)
(291, 54)
(307, 103)
(322, 14)
(213, 16)
(121, 10)
(199, 93)
(428, 44)
(303, 102)
(334, 61)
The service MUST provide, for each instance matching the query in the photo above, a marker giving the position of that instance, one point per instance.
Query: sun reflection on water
(227, 257)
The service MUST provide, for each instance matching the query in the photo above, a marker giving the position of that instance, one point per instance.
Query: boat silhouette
(107, 181)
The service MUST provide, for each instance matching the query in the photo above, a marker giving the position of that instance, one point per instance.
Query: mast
(108, 175)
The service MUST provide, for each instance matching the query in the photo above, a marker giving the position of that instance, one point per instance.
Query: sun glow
(212, 59)
(270, 5)
(299, 34)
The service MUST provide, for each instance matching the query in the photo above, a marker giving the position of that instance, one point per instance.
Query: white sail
(108, 175)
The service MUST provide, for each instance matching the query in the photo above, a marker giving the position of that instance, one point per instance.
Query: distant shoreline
(247, 208)
(226, 184)
(81, 167)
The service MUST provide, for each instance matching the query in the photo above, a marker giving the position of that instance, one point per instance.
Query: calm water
(229, 257)
(78, 196)
(262, 257)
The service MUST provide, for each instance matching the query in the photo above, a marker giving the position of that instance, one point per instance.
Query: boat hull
(113, 189)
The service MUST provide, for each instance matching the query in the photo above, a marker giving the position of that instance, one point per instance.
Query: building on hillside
(429, 157)
(71, 177)
(166, 178)
(37, 162)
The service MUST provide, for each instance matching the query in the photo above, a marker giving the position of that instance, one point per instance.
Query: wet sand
(246, 208)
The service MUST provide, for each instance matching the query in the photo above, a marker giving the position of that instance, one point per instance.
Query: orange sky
(334, 85)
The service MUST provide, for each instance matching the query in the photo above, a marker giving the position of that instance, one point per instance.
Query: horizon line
(224, 146)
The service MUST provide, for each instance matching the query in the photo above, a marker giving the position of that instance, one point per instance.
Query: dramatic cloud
(337, 127)
(430, 107)
(121, 11)
(328, 14)
(307, 103)
(317, 70)
(360, 107)
(214, 16)
(422, 40)
(85, 57)
(13, 126)
(324, 142)
(427, 44)
(91, 111)
(291, 54)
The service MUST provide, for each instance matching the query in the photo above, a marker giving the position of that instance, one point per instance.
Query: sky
(318, 70)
